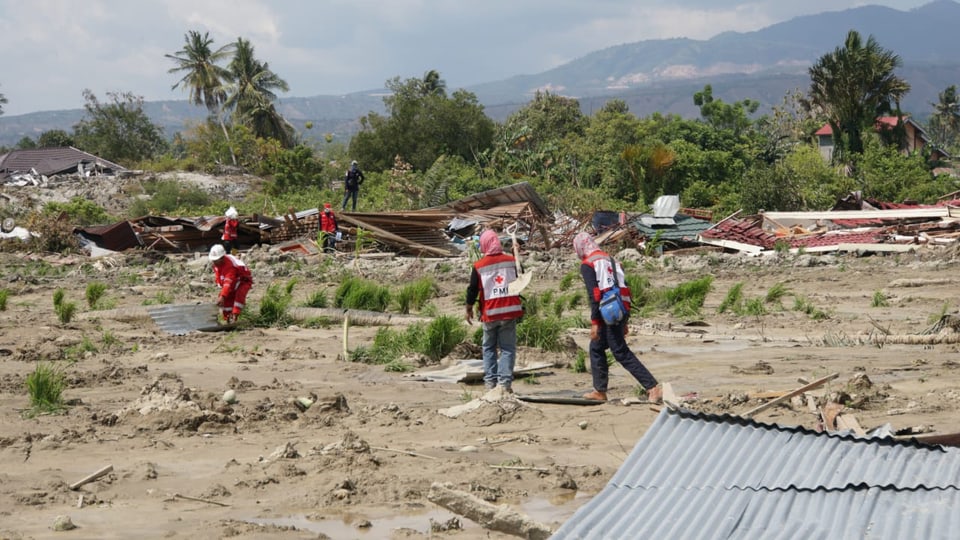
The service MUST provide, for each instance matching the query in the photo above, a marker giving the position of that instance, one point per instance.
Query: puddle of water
(555, 509)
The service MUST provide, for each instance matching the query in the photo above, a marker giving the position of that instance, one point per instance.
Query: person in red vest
(230, 229)
(499, 310)
(234, 279)
(328, 228)
(599, 273)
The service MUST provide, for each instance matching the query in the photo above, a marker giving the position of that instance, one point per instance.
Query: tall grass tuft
(45, 387)
(442, 335)
(541, 332)
(733, 300)
(58, 297)
(4, 295)
(415, 295)
(358, 293)
(275, 304)
(63, 309)
(317, 299)
(687, 298)
(95, 292)
(879, 299)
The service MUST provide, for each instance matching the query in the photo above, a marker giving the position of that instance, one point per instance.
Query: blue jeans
(502, 335)
(346, 197)
(612, 337)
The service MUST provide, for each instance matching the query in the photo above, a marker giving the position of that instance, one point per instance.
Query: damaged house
(38, 165)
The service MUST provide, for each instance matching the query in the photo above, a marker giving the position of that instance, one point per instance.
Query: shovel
(519, 284)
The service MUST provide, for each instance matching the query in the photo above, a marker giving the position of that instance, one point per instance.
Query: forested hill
(651, 76)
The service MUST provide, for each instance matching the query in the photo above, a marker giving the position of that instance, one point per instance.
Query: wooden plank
(815, 384)
(390, 236)
(848, 421)
(769, 394)
(730, 244)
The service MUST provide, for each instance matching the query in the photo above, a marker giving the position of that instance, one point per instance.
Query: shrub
(45, 387)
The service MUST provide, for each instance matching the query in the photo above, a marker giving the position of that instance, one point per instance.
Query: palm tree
(945, 121)
(251, 93)
(432, 84)
(853, 85)
(203, 76)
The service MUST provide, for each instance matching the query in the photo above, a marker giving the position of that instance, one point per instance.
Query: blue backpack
(612, 308)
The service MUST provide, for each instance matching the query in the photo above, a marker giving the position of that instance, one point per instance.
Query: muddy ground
(359, 463)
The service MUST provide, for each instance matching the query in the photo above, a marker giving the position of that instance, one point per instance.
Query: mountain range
(650, 76)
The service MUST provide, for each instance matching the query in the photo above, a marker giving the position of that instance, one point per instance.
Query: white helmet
(231, 213)
(217, 252)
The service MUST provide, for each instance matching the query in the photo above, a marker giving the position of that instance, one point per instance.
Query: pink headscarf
(584, 245)
(490, 243)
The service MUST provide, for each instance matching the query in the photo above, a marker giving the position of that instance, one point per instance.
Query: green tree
(423, 123)
(3, 101)
(730, 116)
(203, 76)
(944, 123)
(887, 175)
(251, 91)
(852, 86)
(26, 143)
(54, 138)
(119, 130)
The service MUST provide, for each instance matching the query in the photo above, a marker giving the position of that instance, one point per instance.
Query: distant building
(915, 138)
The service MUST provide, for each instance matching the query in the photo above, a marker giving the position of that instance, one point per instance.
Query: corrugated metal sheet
(703, 476)
(180, 319)
(51, 160)
(521, 192)
(679, 228)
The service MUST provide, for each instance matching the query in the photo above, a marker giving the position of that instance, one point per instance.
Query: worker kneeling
(234, 279)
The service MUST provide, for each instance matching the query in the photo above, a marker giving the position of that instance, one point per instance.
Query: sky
(54, 49)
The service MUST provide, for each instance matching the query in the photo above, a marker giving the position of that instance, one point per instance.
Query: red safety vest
(600, 262)
(496, 303)
(230, 229)
(231, 273)
(328, 223)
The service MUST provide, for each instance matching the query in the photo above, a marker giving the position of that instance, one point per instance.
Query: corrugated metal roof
(51, 160)
(521, 192)
(706, 476)
(679, 228)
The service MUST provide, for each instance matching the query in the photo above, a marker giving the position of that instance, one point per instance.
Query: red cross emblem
(498, 279)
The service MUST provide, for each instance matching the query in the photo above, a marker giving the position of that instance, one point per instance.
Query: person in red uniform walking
(234, 279)
(328, 228)
(499, 310)
(599, 273)
(230, 229)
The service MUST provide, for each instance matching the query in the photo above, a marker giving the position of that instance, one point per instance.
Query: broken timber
(494, 518)
(815, 384)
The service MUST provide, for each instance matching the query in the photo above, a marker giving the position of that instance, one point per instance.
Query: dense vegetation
(432, 146)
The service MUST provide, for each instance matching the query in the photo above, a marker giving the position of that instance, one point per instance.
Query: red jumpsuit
(234, 279)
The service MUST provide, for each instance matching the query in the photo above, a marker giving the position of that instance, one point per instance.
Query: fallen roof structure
(704, 476)
(34, 166)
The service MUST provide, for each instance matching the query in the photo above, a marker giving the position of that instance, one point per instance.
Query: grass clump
(580, 363)
(733, 300)
(541, 332)
(4, 295)
(275, 305)
(64, 310)
(358, 293)
(317, 299)
(879, 299)
(94, 293)
(45, 387)
(687, 298)
(441, 336)
(415, 295)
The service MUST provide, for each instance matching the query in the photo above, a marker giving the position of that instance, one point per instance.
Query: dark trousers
(612, 337)
(346, 196)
